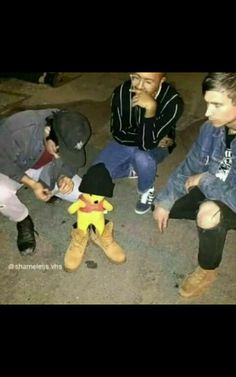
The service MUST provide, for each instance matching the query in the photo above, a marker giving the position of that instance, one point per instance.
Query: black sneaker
(145, 202)
(26, 240)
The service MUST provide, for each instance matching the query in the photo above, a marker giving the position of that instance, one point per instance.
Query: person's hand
(193, 181)
(166, 142)
(41, 192)
(143, 99)
(161, 216)
(65, 185)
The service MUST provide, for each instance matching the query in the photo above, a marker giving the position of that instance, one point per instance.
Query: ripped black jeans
(211, 241)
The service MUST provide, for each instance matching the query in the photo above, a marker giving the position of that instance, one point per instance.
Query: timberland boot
(106, 242)
(76, 250)
(196, 282)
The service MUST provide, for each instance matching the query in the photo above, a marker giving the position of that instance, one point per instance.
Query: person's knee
(142, 159)
(209, 215)
(5, 194)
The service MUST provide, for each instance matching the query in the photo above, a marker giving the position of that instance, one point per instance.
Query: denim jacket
(205, 156)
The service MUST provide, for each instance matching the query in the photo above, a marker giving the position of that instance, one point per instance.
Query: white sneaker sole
(143, 212)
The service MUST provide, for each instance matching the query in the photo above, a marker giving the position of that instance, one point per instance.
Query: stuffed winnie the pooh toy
(91, 207)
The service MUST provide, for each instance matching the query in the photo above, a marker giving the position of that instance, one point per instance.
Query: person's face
(52, 148)
(50, 145)
(149, 82)
(220, 109)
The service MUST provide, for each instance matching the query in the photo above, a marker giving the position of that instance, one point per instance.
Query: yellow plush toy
(91, 207)
(90, 211)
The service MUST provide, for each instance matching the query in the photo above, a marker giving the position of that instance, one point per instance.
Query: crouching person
(40, 149)
(203, 187)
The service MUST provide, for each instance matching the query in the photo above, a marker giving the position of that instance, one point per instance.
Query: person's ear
(163, 79)
(47, 131)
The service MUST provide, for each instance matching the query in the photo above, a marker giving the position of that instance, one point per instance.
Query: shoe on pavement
(26, 239)
(196, 282)
(145, 202)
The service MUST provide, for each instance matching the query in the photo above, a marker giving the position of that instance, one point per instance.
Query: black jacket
(128, 125)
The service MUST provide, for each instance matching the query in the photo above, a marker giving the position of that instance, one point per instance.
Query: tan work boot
(112, 250)
(196, 282)
(76, 250)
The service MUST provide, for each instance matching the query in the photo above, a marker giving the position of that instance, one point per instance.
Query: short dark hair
(52, 134)
(221, 82)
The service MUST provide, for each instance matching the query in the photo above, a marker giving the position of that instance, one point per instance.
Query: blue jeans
(119, 159)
